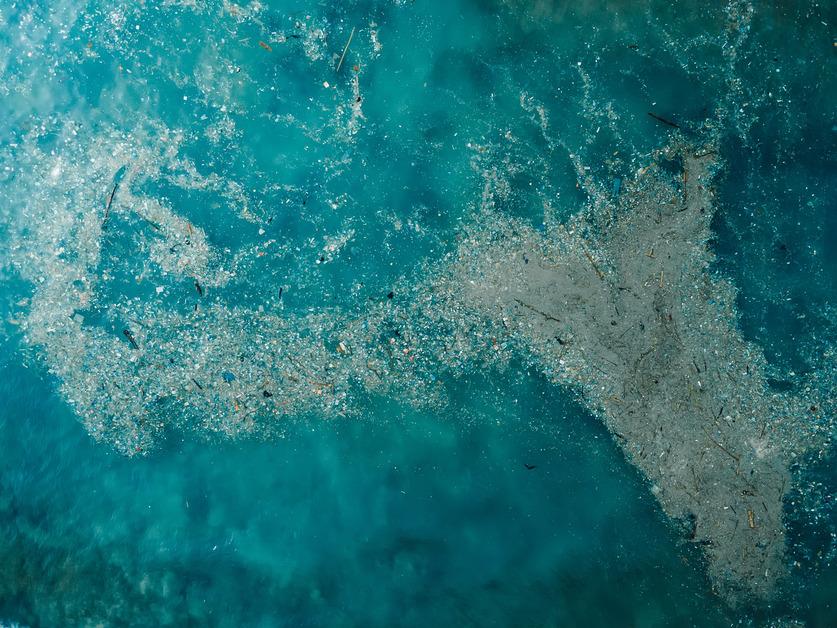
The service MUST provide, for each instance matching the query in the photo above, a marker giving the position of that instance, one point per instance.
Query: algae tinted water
(230, 126)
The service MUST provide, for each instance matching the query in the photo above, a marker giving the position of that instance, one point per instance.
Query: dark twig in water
(593, 263)
(722, 448)
(109, 203)
(153, 224)
(127, 333)
(663, 120)
(537, 311)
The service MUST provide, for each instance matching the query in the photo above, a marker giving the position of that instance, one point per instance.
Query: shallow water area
(412, 521)
(275, 348)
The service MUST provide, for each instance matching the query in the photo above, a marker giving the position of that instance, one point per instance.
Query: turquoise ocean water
(363, 176)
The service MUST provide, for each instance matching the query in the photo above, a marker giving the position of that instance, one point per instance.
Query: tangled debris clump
(617, 303)
(620, 305)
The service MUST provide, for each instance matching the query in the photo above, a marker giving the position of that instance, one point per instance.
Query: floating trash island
(233, 259)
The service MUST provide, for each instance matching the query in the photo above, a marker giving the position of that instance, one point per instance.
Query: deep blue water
(402, 518)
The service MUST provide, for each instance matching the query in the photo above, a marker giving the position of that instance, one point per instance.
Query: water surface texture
(417, 313)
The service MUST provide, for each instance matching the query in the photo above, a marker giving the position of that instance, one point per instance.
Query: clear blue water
(402, 518)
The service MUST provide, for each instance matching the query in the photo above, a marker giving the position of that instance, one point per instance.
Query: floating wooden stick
(537, 311)
(151, 223)
(345, 49)
(109, 203)
(722, 448)
(593, 264)
(127, 333)
(663, 120)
